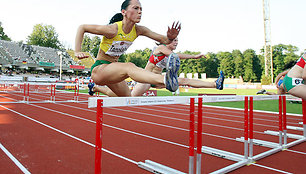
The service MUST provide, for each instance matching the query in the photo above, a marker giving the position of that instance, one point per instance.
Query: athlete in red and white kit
(157, 62)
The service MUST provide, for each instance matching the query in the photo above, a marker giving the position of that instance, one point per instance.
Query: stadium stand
(18, 56)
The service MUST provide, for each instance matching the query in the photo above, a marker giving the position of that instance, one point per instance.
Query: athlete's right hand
(173, 32)
(80, 55)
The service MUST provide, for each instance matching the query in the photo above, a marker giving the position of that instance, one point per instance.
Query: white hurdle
(248, 140)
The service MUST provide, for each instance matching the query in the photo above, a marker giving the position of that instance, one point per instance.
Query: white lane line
(270, 168)
(152, 123)
(303, 153)
(18, 164)
(135, 133)
(71, 136)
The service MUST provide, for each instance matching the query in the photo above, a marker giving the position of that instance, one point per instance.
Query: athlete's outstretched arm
(166, 51)
(108, 31)
(172, 33)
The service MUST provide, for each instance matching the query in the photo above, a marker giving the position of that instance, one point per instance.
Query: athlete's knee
(130, 65)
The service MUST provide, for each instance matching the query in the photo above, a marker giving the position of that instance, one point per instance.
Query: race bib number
(118, 48)
(297, 81)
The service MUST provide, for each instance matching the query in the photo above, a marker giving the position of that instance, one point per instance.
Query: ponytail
(119, 17)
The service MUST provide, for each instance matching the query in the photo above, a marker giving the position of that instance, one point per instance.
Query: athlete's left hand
(173, 32)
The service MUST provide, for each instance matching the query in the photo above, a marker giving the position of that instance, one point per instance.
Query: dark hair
(118, 16)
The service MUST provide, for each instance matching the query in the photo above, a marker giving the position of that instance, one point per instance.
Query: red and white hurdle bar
(52, 97)
(248, 131)
(248, 138)
(150, 165)
(76, 92)
(26, 92)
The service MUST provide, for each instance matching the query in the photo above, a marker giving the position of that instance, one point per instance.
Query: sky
(207, 25)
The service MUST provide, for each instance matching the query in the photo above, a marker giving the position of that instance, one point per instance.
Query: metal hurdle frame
(191, 137)
(241, 160)
(249, 141)
(76, 92)
(300, 139)
(52, 97)
(26, 92)
(136, 101)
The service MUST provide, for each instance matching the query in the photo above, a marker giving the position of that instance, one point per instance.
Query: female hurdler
(117, 37)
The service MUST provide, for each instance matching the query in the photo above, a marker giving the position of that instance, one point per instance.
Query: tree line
(237, 64)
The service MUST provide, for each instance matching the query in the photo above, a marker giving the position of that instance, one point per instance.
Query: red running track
(60, 138)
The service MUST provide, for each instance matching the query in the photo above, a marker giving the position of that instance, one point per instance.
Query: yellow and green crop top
(117, 45)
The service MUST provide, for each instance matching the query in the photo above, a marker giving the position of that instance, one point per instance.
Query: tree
(44, 35)
(3, 36)
(95, 45)
(239, 62)
(139, 57)
(86, 44)
(226, 63)
(252, 71)
(212, 64)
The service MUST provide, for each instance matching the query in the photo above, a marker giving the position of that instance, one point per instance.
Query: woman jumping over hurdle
(294, 79)
(157, 62)
(117, 37)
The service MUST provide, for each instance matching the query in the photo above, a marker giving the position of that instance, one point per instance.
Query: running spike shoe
(262, 91)
(90, 88)
(172, 67)
(219, 81)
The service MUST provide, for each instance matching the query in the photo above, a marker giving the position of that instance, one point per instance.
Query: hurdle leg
(246, 127)
(28, 93)
(54, 92)
(98, 149)
(24, 91)
(199, 138)
(284, 120)
(51, 90)
(191, 137)
(304, 115)
(78, 92)
(251, 128)
(280, 120)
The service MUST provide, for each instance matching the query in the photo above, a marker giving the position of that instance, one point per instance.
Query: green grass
(268, 105)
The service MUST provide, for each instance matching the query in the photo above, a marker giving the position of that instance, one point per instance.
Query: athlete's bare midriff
(102, 56)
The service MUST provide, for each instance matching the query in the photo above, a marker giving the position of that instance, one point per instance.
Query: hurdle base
(157, 168)
(222, 154)
(295, 142)
(294, 136)
(260, 143)
(267, 153)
